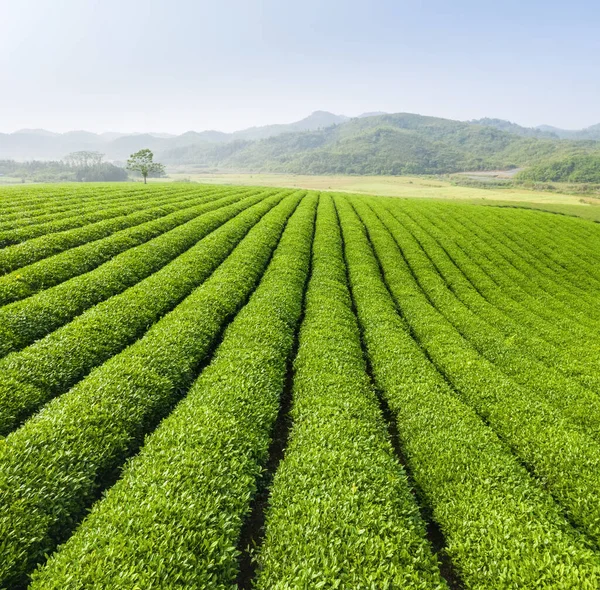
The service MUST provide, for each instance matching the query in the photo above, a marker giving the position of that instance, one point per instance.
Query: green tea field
(207, 386)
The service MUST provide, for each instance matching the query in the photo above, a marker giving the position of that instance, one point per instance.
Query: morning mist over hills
(29, 144)
(373, 143)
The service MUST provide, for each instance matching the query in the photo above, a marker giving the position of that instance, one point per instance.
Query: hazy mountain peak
(371, 114)
(322, 119)
(589, 133)
(43, 132)
(80, 134)
(371, 128)
(515, 129)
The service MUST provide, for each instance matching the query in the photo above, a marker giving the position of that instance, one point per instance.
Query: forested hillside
(576, 168)
(325, 143)
(385, 144)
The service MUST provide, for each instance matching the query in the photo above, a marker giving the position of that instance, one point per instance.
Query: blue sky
(177, 65)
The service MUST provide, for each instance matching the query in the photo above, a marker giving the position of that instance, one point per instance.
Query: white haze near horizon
(174, 66)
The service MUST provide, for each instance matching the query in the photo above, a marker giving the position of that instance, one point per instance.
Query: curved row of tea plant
(565, 263)
(577, 404)
(555, 294)
(341, 513)
(515, 284)
(490, 279)
(558, 453)
(99, 202)
(55, 465)
(520, 324)
(32, 376)
(130, 205)
(471, 285)
(48, 272)
(20, 202)
(43, 201)
(200, 466)
(493, 515)
(23, 219)
(23, 322)
(30, 251)
(510, 261)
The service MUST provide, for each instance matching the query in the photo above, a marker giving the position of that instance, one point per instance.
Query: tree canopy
(143, 162)
(84, 159)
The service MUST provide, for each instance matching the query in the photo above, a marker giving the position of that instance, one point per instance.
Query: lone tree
(142, 162)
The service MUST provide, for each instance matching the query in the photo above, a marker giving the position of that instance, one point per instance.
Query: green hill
(325, 143)
(510, 127)
(385, 144)
(576, 168)
(589, 133)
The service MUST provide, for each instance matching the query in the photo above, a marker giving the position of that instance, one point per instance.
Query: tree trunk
(145, 178)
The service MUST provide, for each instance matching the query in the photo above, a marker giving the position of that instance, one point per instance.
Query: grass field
(9, 180)
(390, 186)
(208, 386)
(414, 187)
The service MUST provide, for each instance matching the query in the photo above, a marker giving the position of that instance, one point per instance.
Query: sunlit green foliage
(200, 467)
(445, 380)
(54, 465)
(341, 513)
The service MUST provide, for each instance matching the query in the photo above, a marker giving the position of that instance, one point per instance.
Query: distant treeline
(576, 168)
(62, 171)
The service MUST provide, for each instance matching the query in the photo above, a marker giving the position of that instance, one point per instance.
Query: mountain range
(400, 143)
(543, 131)
(325, 143)
(39, 144)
